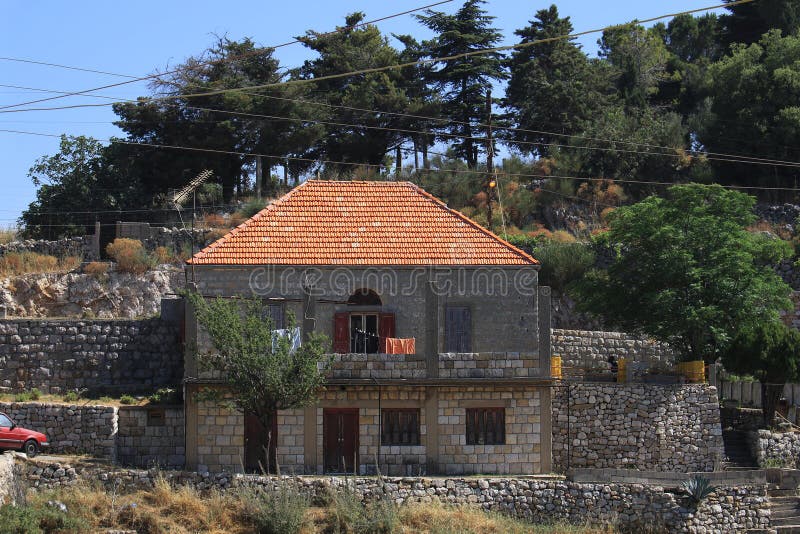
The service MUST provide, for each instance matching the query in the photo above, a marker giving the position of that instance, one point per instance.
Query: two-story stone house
(441, 335)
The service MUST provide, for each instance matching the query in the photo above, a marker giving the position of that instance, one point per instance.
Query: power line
(69, 67)
(224, 60)
(373, 70)
(380, 167)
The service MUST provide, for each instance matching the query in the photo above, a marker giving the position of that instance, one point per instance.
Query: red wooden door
(255, 445)
(340, 440)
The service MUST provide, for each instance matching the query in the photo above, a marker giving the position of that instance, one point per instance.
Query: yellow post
(555, 366)
(621, 375)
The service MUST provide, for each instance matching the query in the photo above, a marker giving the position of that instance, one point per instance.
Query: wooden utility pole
(490, 182)
(398, 163)
(259, 173)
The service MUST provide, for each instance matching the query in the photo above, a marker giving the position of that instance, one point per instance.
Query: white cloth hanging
(293, 334)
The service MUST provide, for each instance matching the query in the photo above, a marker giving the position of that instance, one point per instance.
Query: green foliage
(29, 520)
(166, 396)
(71, 396)
(280, 511)
(686, 270)
(698, 488)
(127, 399)
(350, 514)
(563, 263)
(26, 396)
(252, 207)
(770, 351)
(262, 372)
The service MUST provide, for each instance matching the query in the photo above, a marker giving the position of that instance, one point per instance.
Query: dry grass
(130, 255)
(17, 263)
(98, 269)
(7, 235)
(182, 510)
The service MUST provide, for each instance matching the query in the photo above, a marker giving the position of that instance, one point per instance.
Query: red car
(14, 437)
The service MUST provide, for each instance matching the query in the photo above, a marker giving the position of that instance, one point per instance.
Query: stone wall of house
(378, 366)
(60, 355)
(488, 365)
(442, 445)
(635, 507)
(70, 428)
(638, 426)
(775, 449)
(591, 349)
(151, 436)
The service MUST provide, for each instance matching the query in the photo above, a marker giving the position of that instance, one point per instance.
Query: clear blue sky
(136, 38)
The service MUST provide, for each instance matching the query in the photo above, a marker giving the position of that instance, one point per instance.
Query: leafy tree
(553, 85)
(463, 82)
(746, 23)
(770, 351)
(356, 48)
(754, 110)
(262, 372)
(69, 183)
(686, 270)
(563, 263)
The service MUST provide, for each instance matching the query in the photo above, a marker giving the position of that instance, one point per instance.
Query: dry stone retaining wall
(638, 426)
(591, 349)
(775, 449)
(70, 428)
(636, 506)
(60, 355)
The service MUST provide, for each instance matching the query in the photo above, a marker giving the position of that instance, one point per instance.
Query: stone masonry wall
(638, 426)
(70, 428)
(151, 436)
(591, 349)
(60, 355)
(82, 246)
(488, 365)
(775, 449)
(632, 506)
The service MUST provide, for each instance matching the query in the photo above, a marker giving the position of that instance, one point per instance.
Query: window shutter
(385, 329)
(341, 333)
(458, 329)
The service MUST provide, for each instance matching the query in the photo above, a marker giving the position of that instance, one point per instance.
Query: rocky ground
(112, 295)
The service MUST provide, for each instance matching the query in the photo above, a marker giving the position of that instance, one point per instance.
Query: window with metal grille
(400, 427)
(486, 426)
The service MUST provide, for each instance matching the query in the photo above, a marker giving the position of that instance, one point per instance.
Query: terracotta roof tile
(324, 222)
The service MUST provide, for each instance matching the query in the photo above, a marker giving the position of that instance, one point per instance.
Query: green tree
(769, 351)
(463, 82)
(746, 23)
(553, 85)
(262, 372)
(754, 110)
(686, 270)
(355, 48)
(71, 183)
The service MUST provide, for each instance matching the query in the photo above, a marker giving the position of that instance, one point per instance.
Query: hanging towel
(400, 346)
(293, 335)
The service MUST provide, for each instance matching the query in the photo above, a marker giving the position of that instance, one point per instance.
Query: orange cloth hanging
(400, 346)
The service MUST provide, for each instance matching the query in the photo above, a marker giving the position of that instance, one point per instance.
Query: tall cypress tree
(463, 82)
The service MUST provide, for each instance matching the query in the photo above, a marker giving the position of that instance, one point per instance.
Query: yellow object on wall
(555, 366)
(621, 370)
(693, 371)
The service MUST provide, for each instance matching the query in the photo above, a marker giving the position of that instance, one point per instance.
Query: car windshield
(5, 422)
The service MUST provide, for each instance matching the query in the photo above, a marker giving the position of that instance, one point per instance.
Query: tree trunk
(770, 395)
(425, 163)
(270, 462)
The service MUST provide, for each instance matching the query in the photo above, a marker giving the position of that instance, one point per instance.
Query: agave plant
(698, 488)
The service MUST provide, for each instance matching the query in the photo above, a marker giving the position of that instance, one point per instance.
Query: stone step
(787, 529)
(782, 493)
(785, 521)
(784, 514)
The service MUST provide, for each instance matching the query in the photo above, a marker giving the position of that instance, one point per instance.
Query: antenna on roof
(181, 196)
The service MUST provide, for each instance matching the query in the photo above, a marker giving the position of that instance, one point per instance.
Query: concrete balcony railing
(500, 365)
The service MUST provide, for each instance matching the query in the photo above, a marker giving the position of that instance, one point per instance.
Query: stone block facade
(151, 436)
(70, 428)
(60, 355)
(442, 444)
(591, 349)
(489, 365)
(637, 426)
(775, 449)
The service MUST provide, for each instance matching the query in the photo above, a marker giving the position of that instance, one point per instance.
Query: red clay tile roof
(324, 222)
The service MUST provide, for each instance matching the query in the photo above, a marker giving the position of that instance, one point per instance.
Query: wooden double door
(256, 443)
(340, 440)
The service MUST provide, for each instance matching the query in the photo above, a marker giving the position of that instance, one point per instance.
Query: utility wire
(373, 70)
(383, 167)
(222, 60)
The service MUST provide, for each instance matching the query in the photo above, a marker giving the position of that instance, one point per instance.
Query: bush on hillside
(130, 255)
(563, 263)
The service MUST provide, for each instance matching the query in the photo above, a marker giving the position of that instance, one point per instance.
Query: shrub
(17, 263)
(127, 399)
(350, 514)
(163, 255)
(281, 511)
(32, 395)
(698, 488)
(71, 396)
(28, 520)
(130, 255)
(165, 396)
(562, 236)
(252, 207)
(563, 263)
(214, 220)
(98, 269)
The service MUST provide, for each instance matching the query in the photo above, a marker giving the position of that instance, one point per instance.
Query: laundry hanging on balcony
(293, 335)
(401, 345)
